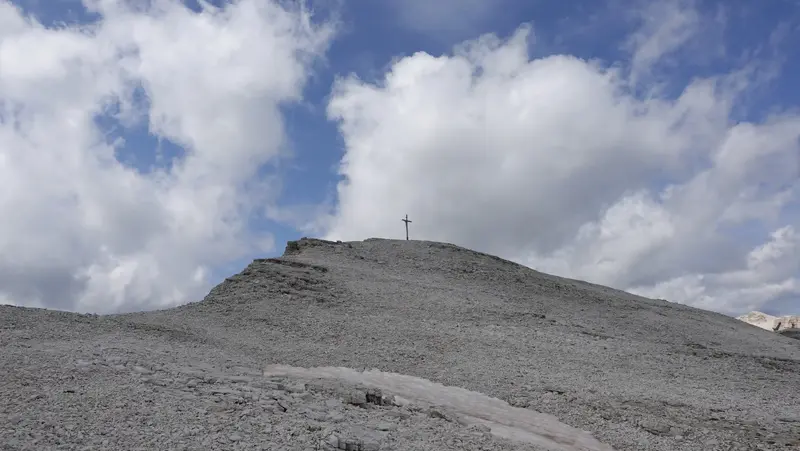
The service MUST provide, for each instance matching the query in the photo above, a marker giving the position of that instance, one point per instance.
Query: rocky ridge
(635, 373)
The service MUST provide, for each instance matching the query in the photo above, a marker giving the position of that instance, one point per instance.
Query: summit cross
(406, 220)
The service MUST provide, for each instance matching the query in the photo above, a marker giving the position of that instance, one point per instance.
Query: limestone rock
(769, 322)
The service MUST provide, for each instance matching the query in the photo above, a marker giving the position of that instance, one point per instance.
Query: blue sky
(651, 146)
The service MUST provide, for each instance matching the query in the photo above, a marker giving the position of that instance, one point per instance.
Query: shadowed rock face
(791, 333)
(635, 373)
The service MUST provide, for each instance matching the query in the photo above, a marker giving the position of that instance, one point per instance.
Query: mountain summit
(405, 345)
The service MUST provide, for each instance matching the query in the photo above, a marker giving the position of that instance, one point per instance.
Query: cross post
(406, 220)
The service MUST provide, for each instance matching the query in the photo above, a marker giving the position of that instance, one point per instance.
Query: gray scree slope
(635, 373)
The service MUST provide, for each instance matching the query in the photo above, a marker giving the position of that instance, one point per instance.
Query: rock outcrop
(773, 323)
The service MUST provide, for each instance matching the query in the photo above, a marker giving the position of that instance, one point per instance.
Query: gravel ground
(636, 373)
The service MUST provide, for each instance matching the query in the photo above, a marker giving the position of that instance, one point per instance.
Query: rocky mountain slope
(462, 351)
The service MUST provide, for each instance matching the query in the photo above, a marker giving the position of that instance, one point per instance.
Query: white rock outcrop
(769, 322)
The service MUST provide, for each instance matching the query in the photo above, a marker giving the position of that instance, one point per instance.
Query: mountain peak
(462, 346)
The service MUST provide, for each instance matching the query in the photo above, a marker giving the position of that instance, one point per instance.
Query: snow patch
(504, 420)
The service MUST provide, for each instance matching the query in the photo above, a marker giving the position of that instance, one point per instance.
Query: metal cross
(406, 221)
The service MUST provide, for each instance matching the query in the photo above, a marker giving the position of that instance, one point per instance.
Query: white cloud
(771, 272)
(83, 232)
(554, 163)
(666, 27)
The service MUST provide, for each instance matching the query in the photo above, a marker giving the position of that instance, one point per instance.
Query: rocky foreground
(466, 352)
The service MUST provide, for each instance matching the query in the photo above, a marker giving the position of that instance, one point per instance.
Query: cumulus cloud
(82, 231)
(555, 163)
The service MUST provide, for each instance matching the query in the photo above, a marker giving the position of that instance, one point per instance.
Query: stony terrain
(635, 373)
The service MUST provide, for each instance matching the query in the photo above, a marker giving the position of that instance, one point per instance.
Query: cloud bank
(556, 163)
(83, 231)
